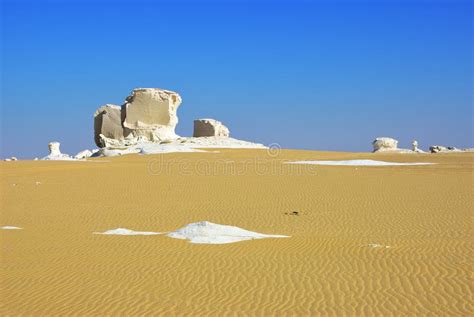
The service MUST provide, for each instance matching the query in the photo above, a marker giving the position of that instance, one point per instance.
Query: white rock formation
(385, 144)
(55, 153)
(152, 113)
(444, 149)
(54, 148)
(414, 146)
(179, 145)
(83, 155)
(209, 127)
(148, 115)
(146, 124)
(108, 123)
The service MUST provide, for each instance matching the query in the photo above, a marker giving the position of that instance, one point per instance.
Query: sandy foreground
(336, 261)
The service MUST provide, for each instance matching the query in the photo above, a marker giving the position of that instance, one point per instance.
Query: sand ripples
(56, 267)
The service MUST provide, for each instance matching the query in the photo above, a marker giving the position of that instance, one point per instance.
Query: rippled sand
(365, 240)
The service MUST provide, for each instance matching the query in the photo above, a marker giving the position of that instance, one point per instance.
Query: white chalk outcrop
(146, 124)
(209, 127)
(448, 149)
(55, 153)
(414, 147)
(54, 149)
(206, 232)
(108, 124)
(443, 149)
(183, 145)
(84, 154)
(152, 113)
(148, 115)
(385, 144)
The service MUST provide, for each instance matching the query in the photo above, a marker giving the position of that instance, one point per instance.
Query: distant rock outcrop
(146, 124)
(54, 149)
(148, 114)
(385, 144)
(209, 127)
(440, 148)
(55, 153)
(84, 154)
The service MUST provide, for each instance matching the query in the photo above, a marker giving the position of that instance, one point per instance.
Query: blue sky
(322, 75)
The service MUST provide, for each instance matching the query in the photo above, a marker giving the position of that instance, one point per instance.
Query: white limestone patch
(166, 148)
(60, 157)
(218, 142)
(206, 232)
(10, 228)
(357, 163)
(127, 232)
(377, 246)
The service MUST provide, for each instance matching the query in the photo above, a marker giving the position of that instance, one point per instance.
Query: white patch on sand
(218, 142)
(10, 228)
(127, 232)
(211, 233)
(377, 246)
(357, 163)
(167, 148)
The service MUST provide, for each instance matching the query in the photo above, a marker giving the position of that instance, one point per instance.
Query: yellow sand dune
(56, 266)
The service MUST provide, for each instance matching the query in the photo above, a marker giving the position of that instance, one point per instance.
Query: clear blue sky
(323, 75)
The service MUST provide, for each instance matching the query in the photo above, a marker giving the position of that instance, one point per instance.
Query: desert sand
(365, 240)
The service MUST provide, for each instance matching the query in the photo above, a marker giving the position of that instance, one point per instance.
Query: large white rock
(209, 127)
(152, 113)
(108, 122)
(385, 144)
